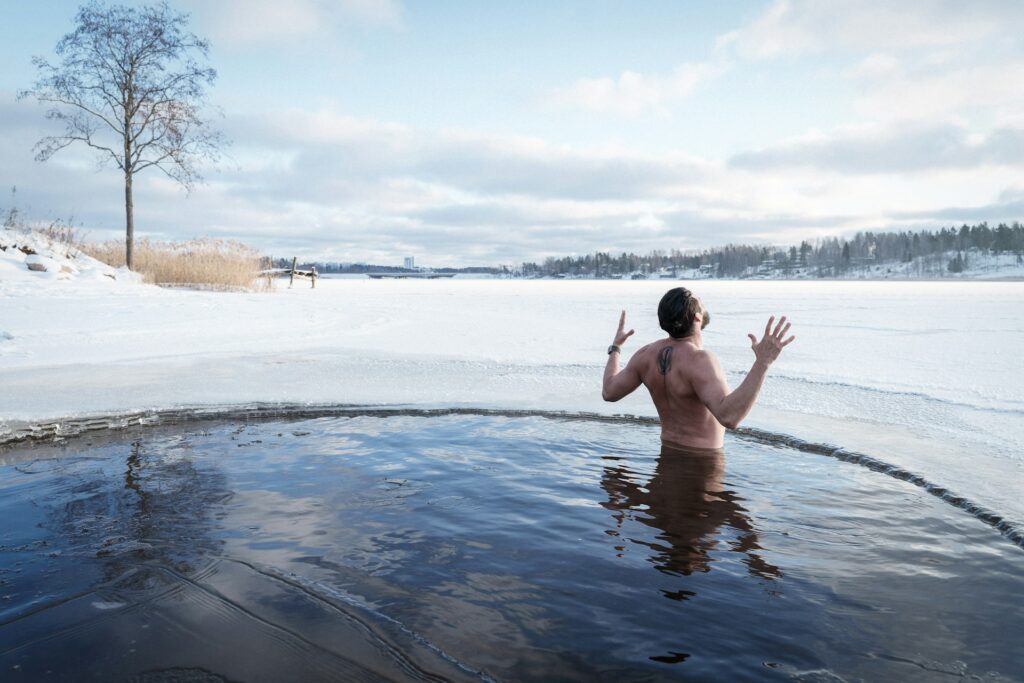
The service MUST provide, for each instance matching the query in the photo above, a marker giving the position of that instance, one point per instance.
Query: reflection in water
(464, 548)
(687, 503)
(135, 584)
(164, 514)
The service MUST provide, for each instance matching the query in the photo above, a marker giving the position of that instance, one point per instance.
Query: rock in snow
(28, 257)
(43, 264)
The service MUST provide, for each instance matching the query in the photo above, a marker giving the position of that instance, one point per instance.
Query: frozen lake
(924, 375)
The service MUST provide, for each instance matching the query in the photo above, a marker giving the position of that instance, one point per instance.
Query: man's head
(677, 311)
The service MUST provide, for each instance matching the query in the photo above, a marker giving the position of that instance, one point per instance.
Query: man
(686, 382)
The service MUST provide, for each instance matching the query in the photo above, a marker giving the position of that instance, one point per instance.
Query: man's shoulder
(651, 349)
(645, 349)
(702, 353)
(644, 356)
(695, 360)
(702, 362)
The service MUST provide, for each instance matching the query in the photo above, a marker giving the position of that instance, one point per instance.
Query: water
(924, 375)
(479, 547)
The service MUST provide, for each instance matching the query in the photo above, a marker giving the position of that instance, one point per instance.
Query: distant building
(410, 262)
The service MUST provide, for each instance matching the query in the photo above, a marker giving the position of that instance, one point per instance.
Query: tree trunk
(128, 166)
(129, 240)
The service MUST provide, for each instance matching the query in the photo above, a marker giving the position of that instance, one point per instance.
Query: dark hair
(676, 311)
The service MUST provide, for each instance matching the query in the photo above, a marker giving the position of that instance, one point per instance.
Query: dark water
(482, 547)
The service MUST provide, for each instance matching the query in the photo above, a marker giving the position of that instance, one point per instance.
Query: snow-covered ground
(976, 264)
(28, 259)
(925, 375)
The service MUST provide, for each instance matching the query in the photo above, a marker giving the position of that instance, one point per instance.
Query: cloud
(1007, 207)
(935, 88)
(633, 94)
(891, 149)
(324, 185)
(789, 28)
(333, 186)
(332, 155)
(876, 65)
(755, 225)
(928, 92)
(254, 22)
(931, 61)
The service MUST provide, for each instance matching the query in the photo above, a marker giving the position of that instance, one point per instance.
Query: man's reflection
(686, 502)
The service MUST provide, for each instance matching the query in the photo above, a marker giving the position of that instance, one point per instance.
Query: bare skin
(692, 397)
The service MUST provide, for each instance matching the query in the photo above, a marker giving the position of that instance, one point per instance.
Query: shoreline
(870, 371)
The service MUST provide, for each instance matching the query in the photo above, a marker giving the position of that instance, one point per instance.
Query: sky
(469, 133)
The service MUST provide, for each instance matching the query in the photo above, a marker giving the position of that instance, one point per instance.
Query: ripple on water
(480, 546)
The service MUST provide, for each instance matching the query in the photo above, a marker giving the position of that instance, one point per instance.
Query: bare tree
(131, 84)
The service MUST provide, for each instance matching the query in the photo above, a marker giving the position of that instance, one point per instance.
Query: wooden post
(313, 276)
(291, 279)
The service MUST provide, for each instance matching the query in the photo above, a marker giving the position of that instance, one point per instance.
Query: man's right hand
(621, 335)
(619, 384)
(771, 344)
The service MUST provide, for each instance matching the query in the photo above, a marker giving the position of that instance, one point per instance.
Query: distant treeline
(360, 268)
(825, 257)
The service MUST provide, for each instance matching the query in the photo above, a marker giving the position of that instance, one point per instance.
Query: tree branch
(135, 73)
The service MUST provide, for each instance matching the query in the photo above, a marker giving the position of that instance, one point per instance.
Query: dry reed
(64, 233)
(200, 263)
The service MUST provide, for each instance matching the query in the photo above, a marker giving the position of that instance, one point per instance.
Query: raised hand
(771, 344)
(620, 334)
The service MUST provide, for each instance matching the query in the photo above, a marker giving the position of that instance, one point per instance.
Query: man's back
(668, 368)
(686, 382)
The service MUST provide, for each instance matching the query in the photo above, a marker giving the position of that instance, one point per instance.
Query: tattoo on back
(665, 360)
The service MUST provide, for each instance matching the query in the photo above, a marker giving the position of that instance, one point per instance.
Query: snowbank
(29, 259)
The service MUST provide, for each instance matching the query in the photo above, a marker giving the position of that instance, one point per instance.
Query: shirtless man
(686, 382)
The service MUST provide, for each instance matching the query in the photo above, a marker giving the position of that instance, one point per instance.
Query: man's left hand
(772, 343)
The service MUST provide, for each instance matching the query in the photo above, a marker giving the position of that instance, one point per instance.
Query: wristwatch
(614, 349)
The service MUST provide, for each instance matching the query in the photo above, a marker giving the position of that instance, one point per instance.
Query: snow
(921, 374)
(29, 258)
(979, 265)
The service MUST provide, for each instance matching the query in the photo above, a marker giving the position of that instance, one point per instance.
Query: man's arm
(619, 384)
(730, 407)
